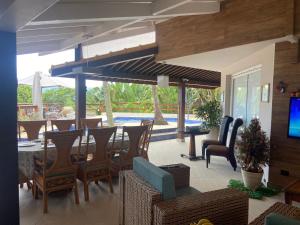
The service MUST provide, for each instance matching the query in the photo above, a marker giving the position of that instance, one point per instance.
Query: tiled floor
(102, 208)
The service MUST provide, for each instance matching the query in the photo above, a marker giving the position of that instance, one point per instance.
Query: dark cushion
(158, 178)
(186, 191)
(224, 127)
(277, 219)
(207, 142)
(220, 150)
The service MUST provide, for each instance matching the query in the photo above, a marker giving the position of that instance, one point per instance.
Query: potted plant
(253, 151)
(210, 113)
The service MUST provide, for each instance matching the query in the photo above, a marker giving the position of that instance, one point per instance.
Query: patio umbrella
(37, 94)
(48, 81)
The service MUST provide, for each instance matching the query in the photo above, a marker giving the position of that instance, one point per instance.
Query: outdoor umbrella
(37, 94)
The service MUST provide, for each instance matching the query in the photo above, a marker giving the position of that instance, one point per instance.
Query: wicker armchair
(279, 208)
(91, 123)
(63, 125)
(32, 128)
(98, 166)
(60, 173)
(126, 154)
(146, 138)
(140, 204)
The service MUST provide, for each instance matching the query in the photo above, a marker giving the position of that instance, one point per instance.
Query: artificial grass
(259, 193)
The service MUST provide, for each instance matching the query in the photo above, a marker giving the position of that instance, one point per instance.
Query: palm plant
(253, 148)
(210, 113)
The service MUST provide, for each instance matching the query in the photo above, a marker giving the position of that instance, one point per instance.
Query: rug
(258, 193)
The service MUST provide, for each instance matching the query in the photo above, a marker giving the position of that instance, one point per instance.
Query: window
(246, 94)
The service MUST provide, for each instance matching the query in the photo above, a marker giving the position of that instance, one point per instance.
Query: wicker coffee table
(280, 208)
(292, 193)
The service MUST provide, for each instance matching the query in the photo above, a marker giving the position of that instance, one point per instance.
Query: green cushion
(277, 219)
(186, 191)
(158, 178)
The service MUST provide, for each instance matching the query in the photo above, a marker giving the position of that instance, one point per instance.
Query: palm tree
(158, 117)
(107, 102)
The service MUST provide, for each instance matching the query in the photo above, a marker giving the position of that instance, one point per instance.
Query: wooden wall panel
(239, 22)
(285, 154)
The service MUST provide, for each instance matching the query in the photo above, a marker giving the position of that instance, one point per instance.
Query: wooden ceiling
(136, 65)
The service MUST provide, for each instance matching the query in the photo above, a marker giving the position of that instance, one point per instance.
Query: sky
(29, 64)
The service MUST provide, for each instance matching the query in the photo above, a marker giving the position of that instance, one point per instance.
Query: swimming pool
(125, 119)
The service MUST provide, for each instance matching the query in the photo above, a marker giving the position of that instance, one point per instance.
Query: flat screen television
(294, 118)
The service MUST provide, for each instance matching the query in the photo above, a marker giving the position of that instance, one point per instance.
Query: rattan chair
(63, 125)
(146, 138)
(223, 133)
(124, 160)
(140, 203)
(24, 179)
(32, 128)
(279, 208)
(98, 167)
(91, 123)
(59, 173)
(224, 151)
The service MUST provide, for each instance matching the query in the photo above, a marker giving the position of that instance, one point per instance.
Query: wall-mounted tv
(294, 118)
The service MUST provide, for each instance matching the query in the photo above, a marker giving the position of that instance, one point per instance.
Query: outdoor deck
(102, 208)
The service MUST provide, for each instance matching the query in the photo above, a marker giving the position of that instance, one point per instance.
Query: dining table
(28, 150)
(192, 131)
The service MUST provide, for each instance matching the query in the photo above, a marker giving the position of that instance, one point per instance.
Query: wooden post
(9, 191)
(80, 90)
(181, 112)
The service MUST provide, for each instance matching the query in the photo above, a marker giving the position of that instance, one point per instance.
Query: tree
(158, 117)
(107, 101)
(24, 93)
(62, 96)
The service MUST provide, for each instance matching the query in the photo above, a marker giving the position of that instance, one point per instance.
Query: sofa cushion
(277, 219)
(158, 178)
(186, 191)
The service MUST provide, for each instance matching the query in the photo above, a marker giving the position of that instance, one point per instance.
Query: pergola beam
(181, 112)
(80, 90)
(12, 20)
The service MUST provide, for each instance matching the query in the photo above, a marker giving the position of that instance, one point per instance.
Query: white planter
(213, 134)
(252, 180)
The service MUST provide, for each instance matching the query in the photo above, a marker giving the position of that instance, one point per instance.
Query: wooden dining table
(28, 150)
(193, 131)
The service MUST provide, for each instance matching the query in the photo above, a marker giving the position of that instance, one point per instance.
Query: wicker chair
(140, 204)
(222, 150)
(146, 138)
(24, 179)
(60, 173)
(222, 139)
(91, 123)
(63, 125)
(32, 128)
(124, 160)
(279, 208)
(98, 167)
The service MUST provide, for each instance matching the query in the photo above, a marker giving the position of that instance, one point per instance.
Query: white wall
(265, 58)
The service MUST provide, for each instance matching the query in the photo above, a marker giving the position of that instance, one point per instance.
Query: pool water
(138, 120)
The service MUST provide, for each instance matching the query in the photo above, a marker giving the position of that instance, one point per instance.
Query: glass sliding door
(246, 95)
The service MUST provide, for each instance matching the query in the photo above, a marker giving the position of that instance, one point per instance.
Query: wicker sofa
(281, 213)
(142, 204)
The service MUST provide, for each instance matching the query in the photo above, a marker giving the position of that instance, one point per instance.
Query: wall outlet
(284, 173)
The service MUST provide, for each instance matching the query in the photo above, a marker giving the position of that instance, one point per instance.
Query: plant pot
(213, 134)
(252, 180)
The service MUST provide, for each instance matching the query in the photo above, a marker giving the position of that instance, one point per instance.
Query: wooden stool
(292, 193)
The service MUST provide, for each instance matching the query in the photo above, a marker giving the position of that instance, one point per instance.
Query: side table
(181, 174)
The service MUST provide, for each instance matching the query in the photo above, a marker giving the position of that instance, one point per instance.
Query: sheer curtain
(246, 95)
